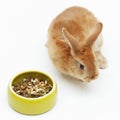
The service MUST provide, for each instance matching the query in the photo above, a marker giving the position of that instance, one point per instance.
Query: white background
(23, 34)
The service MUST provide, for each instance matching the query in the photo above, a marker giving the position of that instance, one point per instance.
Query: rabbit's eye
(81, 67)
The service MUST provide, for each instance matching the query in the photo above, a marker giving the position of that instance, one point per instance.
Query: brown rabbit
(74, 42)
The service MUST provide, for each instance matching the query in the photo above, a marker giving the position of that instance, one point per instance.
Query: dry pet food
(32, 88)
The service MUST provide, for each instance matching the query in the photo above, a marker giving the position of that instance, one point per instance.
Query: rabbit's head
(82, 52)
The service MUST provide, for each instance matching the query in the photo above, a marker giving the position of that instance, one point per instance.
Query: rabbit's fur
(74, 42)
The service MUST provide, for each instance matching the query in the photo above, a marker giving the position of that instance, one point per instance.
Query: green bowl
(32, 106)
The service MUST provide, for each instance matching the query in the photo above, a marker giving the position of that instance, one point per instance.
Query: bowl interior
(31, 75)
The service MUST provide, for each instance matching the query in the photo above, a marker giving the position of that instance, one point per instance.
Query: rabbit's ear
(70, 39)
(94, 35)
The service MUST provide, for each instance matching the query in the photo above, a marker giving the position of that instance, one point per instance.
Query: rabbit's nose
(90, 77)
(94, 76)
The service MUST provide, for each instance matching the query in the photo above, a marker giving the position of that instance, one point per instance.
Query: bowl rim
(38, 98)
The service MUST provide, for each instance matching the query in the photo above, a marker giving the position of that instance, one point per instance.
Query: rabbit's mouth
(88, 79)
